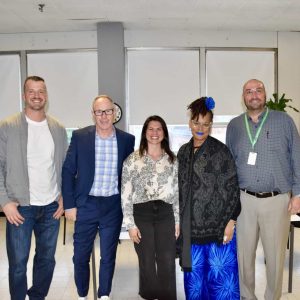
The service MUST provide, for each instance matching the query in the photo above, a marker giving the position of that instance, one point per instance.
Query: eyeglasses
(258, 91)
(107, 112)
(199, 124)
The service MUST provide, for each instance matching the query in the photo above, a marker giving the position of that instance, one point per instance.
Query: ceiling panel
(78, 15)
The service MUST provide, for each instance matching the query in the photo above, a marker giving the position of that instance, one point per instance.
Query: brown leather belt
(261, 195)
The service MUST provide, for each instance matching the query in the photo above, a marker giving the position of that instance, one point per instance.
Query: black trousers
(156, 251)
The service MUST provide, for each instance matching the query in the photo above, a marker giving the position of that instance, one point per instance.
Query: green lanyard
(253, 141)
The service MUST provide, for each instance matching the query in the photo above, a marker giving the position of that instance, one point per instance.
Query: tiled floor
(125, 284)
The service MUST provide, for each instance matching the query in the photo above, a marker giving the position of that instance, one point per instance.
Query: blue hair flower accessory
(209, 103)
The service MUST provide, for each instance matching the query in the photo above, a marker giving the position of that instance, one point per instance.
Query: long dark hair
(198, 107)
(165, 145)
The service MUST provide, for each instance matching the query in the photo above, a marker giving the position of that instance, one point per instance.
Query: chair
(65, 228)
(295, 222)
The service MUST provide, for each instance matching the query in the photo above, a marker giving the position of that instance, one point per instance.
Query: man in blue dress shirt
(91, 180)
(266, 147)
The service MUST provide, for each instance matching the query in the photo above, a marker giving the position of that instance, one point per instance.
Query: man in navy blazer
(91, 179)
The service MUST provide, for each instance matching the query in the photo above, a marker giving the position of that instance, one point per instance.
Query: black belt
(261, 195)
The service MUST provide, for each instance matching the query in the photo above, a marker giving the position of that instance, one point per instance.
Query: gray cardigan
(14, 180)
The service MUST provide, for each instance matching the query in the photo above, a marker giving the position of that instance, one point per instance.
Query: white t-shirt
(40, 159)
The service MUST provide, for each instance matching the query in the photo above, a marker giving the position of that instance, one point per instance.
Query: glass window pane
(10, 88)
(72, 82)
(162, 82)
(227, 71)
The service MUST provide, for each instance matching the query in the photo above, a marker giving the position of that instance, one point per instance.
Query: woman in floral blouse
(151, 209)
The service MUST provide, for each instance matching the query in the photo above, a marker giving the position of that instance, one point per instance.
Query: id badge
(252, 158)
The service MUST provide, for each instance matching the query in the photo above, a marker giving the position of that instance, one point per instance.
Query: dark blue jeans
(103, 215)
(38, 219)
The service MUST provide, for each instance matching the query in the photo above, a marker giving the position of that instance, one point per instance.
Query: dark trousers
(103, 215)
(156, 251)
(38, 220)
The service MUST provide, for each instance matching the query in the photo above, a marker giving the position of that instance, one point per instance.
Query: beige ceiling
(18, 16)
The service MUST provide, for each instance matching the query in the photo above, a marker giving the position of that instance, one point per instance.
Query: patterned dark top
(208, 184)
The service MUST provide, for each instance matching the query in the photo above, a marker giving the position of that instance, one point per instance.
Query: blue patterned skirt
(214, 272)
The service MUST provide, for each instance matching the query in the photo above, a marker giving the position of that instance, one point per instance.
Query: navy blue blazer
(79, 166)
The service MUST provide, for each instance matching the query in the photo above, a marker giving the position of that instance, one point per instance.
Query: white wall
(138, 38)
(48, 40)
(185, 38)
(289, 69)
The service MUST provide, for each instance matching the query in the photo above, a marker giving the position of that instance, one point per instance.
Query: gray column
(111, 63)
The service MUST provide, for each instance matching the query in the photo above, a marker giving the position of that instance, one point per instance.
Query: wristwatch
(118, 114)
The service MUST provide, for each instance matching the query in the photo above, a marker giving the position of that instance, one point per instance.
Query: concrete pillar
(111, 64)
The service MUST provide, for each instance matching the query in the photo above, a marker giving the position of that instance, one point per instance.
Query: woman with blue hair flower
(209, 203)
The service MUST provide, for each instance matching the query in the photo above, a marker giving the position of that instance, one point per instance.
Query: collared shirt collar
(260, 116)
(113, 134)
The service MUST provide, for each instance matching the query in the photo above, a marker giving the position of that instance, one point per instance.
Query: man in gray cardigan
(32, 151)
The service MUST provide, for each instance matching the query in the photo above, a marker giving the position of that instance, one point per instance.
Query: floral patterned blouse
(144, 179)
